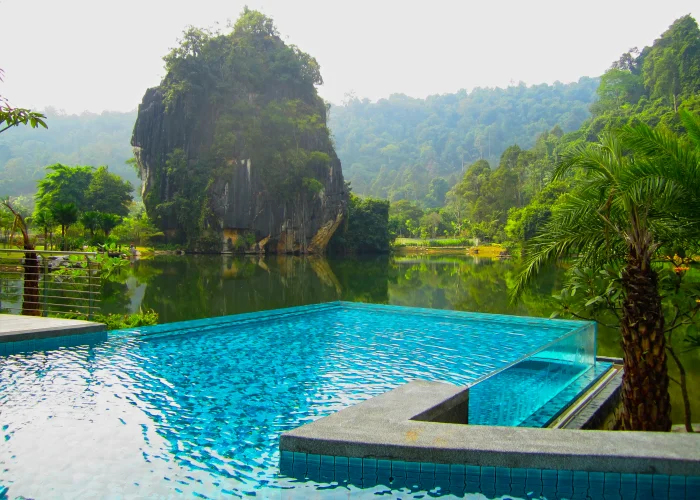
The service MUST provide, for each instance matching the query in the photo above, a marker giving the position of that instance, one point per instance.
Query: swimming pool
(197, 407)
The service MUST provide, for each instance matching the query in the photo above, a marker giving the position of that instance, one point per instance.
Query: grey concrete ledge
(382, 428)
(14, 328)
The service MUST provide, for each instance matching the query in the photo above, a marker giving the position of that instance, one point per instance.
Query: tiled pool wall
(513, 395)
(492, 482)
(52, 343)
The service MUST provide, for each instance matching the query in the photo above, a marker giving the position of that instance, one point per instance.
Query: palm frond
(575, 226)
(692, 126)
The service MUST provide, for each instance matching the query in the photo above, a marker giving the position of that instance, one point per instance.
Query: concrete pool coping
(385, 427)
(16, 328)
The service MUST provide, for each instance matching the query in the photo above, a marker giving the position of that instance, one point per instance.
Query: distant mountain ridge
(393, 148)
(85, 139)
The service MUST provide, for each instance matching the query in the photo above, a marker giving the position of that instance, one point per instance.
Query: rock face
(252, 166)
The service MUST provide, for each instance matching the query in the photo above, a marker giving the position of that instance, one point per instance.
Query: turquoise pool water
(197, 407)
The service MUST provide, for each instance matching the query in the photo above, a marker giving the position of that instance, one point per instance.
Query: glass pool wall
(515, 393)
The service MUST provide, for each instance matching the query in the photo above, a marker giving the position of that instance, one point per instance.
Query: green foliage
(366, 229)
(91, 221)
(12, 116)
(65, 215)
(108, 222)
(64, 184)
(108, 193)
(395, 147)
(249, 99)
(117, 321)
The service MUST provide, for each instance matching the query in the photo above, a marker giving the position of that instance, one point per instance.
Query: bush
(116, 321)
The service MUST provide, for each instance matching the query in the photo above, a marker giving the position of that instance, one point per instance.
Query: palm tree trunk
(645, 398)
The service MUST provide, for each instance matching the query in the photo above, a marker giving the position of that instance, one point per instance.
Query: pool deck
(388, 427)
(15, 328)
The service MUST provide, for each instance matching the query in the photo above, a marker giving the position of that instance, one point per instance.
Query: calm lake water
(181, 288)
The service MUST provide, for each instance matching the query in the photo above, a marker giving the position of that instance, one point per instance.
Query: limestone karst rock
(233, 147)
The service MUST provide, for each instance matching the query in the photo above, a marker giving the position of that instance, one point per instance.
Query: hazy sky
(95, 54)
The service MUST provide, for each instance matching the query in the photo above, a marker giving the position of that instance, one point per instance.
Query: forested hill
(396, 147)
(85, 139)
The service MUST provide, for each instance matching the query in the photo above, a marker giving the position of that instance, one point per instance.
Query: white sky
(96, 54)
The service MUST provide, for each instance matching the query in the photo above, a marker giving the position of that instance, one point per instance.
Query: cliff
(233, 147)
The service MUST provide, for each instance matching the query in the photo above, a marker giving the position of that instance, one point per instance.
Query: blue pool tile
(327, 475)
(286, 468)
(549, 476)
(314, 474)
(412, 468)
(286, 455)
(369, 464)
(580, 479)
(549, 490)
(341, 462)
(472, 485)
(488, 490)
(676, 487)
(398, 468)
(327, 462)
(313, 460)
(427, 468)
(458, 470)
(299, 457)
(518, 475)
(412, 480)
(355, 462)
(501, 490)
(473, 471)
(488, 475)
(341, 475)
(565, 477)
(660, 485)
(692, 487)
(612, 481)
(534, 475)
(384, 465)
(442, 468)
(502, 475)
(442, 480)
(457, 481)
(596, 479)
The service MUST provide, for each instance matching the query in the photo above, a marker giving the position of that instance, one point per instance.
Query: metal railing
(48, 282)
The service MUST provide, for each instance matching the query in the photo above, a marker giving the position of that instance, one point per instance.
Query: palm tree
(623, 209)
(44, 220)
(65, 214)
(108, 222)
(91, 221)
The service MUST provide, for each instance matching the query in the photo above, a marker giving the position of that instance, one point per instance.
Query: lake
(188, 287)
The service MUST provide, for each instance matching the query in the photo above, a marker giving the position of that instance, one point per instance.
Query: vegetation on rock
(245, 143)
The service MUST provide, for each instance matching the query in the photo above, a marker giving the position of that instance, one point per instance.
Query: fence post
(46, 289)
(89, 287)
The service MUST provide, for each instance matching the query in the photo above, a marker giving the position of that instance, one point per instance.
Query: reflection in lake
(180, 288)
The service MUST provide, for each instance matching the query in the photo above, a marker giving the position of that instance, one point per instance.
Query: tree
(92, 221)
(366, 229)
(12, 117)
(623, 210)
(65, 215)
(108, 193)
(30, 297)
(43, 219)
(108, 222)
(64, 185)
